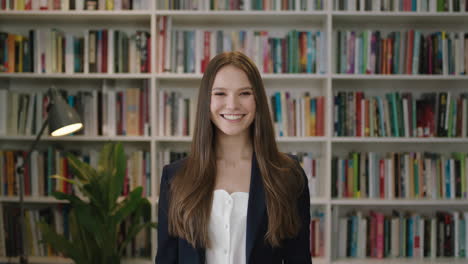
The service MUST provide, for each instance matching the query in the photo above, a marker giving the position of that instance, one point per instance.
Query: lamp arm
(20, 171)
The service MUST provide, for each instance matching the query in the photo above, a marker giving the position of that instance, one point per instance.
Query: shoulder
(171, 169)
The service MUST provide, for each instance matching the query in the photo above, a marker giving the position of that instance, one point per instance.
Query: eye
(218, 93)
(246, 93)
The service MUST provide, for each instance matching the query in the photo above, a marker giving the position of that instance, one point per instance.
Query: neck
(233, 148)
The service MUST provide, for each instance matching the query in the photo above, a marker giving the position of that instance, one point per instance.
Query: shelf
(278, 139)
(399, 202)
(397, 140)
(79, 138)
(319, 201)
(414, 77)
(29, 199)
(132, 16)
(76, 75)
(301, 139)
(251, 18)
(396, 18)
(265, 76)
(401, 260)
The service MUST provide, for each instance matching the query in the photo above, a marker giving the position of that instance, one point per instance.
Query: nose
(232, 102)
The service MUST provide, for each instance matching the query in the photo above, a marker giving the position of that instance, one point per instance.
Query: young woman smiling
(235, 199)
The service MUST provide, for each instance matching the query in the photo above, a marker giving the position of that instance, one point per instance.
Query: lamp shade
(63, 119)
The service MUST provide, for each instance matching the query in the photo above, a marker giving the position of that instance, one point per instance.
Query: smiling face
(232, 103)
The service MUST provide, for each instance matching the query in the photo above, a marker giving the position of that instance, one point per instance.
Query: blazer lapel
(256, 207)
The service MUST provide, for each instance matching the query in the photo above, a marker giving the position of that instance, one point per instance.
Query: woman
(235, 199)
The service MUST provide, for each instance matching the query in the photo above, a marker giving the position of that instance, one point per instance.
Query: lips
(232, 117)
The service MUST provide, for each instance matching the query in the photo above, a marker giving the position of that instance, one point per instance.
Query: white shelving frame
(326, 20)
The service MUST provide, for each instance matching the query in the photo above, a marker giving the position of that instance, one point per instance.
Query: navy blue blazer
(173, 250)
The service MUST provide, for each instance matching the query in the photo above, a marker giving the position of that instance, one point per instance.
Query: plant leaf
(81, 170)
(59, 242)
(129, 205)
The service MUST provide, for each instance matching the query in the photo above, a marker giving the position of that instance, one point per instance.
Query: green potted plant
(96, 217)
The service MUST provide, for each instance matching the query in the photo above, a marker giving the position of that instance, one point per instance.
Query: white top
(228, 228)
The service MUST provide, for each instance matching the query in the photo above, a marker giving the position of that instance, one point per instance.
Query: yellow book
(110, 4)
(19, 42)
(350, 181)
(411, 176)
(313, 117)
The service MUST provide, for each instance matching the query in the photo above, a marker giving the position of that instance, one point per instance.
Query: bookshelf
(325, 84)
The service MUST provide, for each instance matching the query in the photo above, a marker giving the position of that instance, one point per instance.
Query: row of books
(10, 239)
(402, 5)
(58, 218)
(317, 233)
(276, 5)
(65, 5)
(56, 51)
(403, 234)
(401, 115)
(300, 116)
(176, 114)
(53, 161)
(401, 52)
(189, 51)
(309, 162)
(400, 175)
(106, 112)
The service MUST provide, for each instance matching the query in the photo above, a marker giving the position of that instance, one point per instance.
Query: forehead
(231, 77)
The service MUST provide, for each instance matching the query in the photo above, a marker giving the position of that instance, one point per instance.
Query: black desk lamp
(62, 120)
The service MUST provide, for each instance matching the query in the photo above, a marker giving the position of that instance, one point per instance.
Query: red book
(380, 235)
(409, 52)
(389, 55)
(104, 51)
(366, 113)
(28, 5)
(382, 178)
(206, 51)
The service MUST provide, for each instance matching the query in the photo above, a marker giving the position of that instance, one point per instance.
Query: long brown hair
(191, 190)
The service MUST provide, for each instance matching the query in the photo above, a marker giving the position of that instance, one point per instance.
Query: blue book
(409, 248)
(447, 179)
(381, 116)
(278, 113)
(354, 235)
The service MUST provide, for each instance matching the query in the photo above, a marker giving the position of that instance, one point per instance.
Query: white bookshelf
(320, 84)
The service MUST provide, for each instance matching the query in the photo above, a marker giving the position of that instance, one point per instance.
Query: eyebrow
(222, 88)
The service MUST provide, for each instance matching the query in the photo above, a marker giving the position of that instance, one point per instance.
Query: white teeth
(232, 117)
